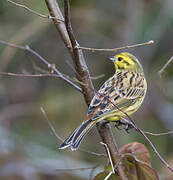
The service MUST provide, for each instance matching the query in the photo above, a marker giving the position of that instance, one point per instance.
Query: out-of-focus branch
(27, 75)
(158, 134)
(20, 37)
(76, 169)
(52, 67)
(165, 66)
(116, 49)
(59, 138)
(153, 147)
(32, 11)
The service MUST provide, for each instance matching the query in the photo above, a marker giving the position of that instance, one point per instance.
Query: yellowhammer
(123, 93)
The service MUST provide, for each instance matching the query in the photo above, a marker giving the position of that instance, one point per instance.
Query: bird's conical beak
(112, 58)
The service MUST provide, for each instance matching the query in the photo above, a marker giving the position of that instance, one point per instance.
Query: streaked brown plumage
(123, 92)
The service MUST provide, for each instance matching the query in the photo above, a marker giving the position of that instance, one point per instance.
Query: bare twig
(116, 49)
(107, 136)
(58, 137)
(132, 123)
(113, 167)
(92, 171)
(19, 37)
(80, 169)
(78, 59)
(108, 176)
(50, 124)
(27, 75)
(158, 134)
(93, 153)
(38, 75)
(154, 149)
(97, 77)
(27, 48)
(75, 169)
(109, 155)
(33, 12)
(165, 66)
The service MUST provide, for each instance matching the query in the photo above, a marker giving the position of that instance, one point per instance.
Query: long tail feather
(77, 135)
(67, 142)
(80, 134)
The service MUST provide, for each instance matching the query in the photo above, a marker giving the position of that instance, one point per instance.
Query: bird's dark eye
(120, 58)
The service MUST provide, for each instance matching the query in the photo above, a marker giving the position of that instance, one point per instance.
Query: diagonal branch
(78, 59)
(165, 66)
(132, 124)
(80, 66)
(32, 11)
(59, 138)
(52, 67)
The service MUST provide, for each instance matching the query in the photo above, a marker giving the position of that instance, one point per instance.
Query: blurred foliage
(28, 149)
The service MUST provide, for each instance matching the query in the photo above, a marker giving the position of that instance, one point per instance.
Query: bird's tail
(77, 135)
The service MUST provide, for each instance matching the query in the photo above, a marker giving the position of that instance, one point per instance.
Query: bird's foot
(125, 124)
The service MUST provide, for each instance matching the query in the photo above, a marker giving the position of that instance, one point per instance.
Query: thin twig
(97, 77)
(165, 66)
(132, 123)
(115, 49)
(158, 134)
(38, 75)
(34, 12)
(109, 155)
(50, 124)
(92, 171)
(58, 137)
(108, 138)
(75, 169)
(108, 176)
(78, 59)
(74, 70)
(116, 106)
(28, 75)
(154, 149)
(53, 68)
(93, 153)
(110, 159)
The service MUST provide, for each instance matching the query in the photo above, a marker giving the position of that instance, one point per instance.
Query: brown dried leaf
(136, 163)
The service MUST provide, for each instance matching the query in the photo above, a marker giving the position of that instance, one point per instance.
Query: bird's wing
(118, 92)
(130, 86)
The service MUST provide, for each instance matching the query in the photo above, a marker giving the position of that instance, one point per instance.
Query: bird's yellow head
(124, 61)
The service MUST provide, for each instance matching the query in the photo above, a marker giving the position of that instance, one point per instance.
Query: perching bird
(121, 94)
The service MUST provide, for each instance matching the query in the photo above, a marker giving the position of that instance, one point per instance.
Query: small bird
(121, 94)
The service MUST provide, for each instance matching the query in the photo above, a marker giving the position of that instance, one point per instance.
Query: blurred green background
(28, 148)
